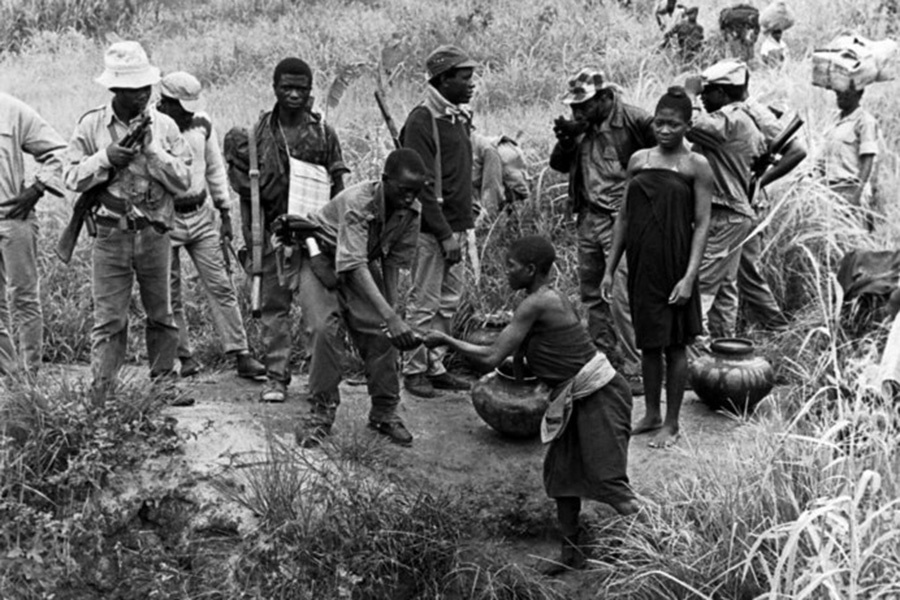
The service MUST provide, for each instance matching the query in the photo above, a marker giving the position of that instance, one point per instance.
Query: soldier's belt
(123, 223)
(190, 204)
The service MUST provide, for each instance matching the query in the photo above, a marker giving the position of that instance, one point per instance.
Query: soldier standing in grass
(288, 134)
(134, 187)
(846, 160)
(733, 134)
(439, 129)
(24, 132)
(367, 233)
(195, 229)
(594, 149)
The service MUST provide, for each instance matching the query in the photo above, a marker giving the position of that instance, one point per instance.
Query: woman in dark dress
(588, 424)
(662, 228)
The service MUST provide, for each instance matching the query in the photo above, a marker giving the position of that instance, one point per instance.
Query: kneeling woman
(588, 424)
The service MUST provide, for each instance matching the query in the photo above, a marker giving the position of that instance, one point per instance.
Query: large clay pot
(731, 376)
(512, 407)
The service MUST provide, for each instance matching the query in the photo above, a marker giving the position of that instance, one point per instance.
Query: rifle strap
(255, 211)
(438, 174)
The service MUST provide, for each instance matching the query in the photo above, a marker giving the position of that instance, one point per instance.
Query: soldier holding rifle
(195, 229)
(25, 132)
(734, 134)
(295, 151)
(130, 160)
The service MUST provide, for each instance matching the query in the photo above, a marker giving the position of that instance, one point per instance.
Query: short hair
(534, 250)
(291, 66)
(404, 160)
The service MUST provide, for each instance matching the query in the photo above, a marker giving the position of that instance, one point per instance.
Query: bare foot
(665, 438)
(646, 424)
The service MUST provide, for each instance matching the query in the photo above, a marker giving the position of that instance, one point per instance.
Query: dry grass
(811, 511)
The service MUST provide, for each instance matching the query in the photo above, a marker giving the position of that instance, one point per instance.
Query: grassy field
(812, 512)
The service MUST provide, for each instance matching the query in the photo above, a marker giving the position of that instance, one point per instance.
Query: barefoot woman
(662, 227)
(588, 425)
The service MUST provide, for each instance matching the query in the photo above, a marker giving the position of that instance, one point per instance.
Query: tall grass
(806, 509)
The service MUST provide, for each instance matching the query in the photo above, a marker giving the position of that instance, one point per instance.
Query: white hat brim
(192, 106)
(112, 80)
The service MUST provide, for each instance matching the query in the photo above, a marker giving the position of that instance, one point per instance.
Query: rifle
(227, 252)
(83, 210)
(256, 229)
(776, 148)
(388, 120)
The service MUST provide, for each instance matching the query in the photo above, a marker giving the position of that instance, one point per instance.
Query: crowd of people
(681, 215)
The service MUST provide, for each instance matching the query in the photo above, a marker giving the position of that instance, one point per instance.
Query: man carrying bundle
(290, 140)
(134, 161)
(846, 160)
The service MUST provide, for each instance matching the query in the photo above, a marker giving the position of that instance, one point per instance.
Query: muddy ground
(227, 431)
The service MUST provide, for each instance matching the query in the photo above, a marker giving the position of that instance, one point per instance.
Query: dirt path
(228, 429)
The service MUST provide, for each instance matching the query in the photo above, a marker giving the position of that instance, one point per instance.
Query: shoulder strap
(438, 175)
(255, 212)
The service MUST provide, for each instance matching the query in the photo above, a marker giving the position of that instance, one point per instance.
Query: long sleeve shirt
(208, 164)
(24, 131)
(597, 160)
(150, 180)
(454, 212)
(315, 142)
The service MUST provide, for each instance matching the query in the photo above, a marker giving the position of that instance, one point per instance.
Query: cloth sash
(594, 375)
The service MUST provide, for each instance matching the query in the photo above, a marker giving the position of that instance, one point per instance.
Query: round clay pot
(512, 407)
(731, 376)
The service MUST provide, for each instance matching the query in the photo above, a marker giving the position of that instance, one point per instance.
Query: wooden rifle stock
(776, 147)
(388, 120)
(83, 209)
(256, 229)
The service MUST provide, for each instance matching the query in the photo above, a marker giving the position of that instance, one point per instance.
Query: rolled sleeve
(352, 241)
(867, 132)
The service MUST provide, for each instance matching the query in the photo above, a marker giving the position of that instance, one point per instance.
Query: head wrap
(292, 66)
(676, 99)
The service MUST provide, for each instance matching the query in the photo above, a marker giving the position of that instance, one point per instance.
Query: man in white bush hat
(24, 132)
(195, 228)
(594, 149)
(733, 133)
(133, 161)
